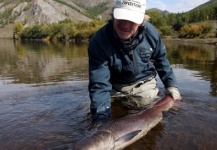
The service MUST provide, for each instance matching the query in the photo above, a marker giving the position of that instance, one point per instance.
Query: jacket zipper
(133, 58)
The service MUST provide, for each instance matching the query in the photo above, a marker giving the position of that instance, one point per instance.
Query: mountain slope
(42, 11)
(210, 3)
(164, 13)
(48, 11)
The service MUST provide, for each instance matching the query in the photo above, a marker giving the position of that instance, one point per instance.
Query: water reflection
(42, 62)
(200, 58)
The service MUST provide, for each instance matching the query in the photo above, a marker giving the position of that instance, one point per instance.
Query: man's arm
(161, 62)
(166, 73)
(99, 85)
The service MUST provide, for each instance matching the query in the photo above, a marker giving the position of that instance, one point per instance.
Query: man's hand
(99, 120)
(98, 123)
(174, 92)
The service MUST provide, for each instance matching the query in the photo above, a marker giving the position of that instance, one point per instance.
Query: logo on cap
(131, 4)
(136, 5)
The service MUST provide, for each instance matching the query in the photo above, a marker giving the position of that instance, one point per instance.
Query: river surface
(44, 102)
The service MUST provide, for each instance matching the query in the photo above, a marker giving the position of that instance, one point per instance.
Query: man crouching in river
(124, 57)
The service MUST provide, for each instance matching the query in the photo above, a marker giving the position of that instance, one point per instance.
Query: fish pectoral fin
(126, 137)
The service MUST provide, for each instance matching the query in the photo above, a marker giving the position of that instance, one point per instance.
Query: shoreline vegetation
(212, 41)
(82, 32)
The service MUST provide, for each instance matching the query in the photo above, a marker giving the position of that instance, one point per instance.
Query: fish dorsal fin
(126, 137)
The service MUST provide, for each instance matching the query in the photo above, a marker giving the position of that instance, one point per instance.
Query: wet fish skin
(100, 140)
(120, 133)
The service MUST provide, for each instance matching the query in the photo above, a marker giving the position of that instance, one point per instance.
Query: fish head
(101, 140)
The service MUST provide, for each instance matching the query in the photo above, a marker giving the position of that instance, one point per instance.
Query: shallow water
(44, 101)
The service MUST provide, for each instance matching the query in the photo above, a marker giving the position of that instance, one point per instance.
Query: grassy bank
(7, 32)
(193, 41)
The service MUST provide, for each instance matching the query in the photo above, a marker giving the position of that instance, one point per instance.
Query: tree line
(192, 24)
(63, 30)
(186, 24)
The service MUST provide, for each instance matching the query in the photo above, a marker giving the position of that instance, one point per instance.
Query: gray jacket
(113, 61)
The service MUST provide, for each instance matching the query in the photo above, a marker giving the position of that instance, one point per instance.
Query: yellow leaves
(190, 31)
(18, 28)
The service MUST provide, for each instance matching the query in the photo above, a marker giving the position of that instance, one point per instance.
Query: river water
(44, 101)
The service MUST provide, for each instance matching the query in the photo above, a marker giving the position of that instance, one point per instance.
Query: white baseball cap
(132, 10)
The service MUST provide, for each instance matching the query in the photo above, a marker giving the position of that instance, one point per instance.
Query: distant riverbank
(7, 33)
(193, 41)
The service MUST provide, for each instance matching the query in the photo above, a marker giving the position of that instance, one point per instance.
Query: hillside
(49, 11)
(46, 11)
(164, 13)
(207, 4)
(99, 7)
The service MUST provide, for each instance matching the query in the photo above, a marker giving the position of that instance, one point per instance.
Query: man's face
(125, 29)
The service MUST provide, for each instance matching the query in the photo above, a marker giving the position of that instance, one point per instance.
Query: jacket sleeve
(99, 85)
(163, 67)
(160, 59)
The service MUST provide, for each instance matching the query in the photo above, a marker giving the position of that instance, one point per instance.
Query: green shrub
(206, 27)
(190, 31)
(166, 30)
(18, 28)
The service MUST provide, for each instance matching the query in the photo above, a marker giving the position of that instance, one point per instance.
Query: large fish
(119, 133)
